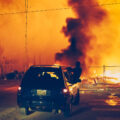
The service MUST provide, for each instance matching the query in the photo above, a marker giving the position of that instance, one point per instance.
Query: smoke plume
(88, 14)
(6, 2)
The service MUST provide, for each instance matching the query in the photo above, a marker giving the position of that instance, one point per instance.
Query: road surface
(97, 104)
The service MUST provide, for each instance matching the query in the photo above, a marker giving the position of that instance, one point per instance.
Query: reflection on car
(46, 88)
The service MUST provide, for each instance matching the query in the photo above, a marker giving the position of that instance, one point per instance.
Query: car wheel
(67, 109)
(77, 99)
(27, 111)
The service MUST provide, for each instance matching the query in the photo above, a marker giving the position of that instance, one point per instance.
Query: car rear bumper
(40, 104)
(43, 105)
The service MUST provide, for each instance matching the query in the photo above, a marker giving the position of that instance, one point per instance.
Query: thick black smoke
(89, 13)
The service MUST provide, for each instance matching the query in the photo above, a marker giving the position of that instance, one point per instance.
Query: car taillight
(19, 88)
(65, 90)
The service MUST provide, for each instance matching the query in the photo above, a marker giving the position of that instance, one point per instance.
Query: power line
(11, 13)
(56, 9)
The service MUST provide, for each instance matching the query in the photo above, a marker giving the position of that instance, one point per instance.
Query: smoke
(7, 5)
(78, 31)
(6, 2)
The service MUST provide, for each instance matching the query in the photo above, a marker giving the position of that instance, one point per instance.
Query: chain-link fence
(103, 75)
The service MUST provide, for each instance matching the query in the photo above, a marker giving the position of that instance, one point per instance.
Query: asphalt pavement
(97, 104)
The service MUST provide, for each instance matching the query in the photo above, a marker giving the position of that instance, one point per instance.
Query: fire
(92, 36)
(103, 74)
(113, 77)
(112, 100)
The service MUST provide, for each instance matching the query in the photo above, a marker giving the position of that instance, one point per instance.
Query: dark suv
(45, 88)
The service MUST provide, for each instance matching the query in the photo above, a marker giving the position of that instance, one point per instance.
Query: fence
(103, 74)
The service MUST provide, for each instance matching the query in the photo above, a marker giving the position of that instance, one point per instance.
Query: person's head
(77, 64)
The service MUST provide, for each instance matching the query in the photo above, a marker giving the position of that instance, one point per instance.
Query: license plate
(41, 92)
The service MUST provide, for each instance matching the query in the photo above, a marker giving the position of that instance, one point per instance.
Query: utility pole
(26, 36)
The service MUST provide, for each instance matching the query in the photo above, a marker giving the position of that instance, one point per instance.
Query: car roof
(45, 66)
(63, 68)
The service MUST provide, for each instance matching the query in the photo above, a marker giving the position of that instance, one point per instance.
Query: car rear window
(44, 78)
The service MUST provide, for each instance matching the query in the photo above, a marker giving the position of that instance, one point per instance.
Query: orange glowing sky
(44, 32)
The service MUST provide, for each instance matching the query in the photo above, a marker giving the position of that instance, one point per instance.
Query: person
(68, 74)
(73, 74)
(77, 71)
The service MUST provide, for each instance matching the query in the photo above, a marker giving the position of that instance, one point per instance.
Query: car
(46, 88)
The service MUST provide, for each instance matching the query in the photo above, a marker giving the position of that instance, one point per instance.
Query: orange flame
(112, 100)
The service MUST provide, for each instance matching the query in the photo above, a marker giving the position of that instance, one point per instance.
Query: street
(94, 105)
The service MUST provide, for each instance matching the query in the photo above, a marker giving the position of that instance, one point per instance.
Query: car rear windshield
(44, 78)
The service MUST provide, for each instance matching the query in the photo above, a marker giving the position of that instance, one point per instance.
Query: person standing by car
(73, 74)
(77, 71)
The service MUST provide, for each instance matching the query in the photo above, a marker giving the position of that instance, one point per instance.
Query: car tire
(19, 101)
(67, 109)
(27, 111)
(77, 99)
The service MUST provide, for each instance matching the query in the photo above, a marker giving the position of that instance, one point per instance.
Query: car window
(44, 78)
